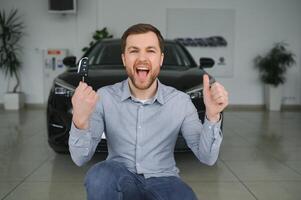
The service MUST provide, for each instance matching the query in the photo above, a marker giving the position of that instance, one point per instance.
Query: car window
(109, 55)
(174, 56)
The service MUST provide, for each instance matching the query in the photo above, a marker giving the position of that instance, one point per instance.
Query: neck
(143, 94)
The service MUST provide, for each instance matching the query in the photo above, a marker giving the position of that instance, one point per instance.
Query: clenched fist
(83, 101)
(215, 99)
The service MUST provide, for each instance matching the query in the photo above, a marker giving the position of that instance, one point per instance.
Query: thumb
(206, 85)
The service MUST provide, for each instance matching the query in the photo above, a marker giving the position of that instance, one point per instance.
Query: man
(142, 118)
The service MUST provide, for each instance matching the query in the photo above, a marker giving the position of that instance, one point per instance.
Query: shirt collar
(125, 90)
(126, 93)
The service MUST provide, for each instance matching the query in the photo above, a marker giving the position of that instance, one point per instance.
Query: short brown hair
(139, 29)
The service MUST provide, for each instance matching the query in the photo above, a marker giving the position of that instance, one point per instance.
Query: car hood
(181, 79)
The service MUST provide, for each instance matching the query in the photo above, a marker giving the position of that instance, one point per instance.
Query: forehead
(142, 40)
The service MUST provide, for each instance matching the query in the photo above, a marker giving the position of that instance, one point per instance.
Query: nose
(142, 56)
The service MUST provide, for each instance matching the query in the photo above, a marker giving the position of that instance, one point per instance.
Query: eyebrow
(134, 47)
(152, 47)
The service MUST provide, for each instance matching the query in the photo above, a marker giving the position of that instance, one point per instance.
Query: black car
(105, 67)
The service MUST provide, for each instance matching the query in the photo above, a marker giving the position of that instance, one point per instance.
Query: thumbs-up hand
(215, 99)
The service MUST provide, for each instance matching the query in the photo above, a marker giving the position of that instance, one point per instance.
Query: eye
(133, 51)
(151, 51)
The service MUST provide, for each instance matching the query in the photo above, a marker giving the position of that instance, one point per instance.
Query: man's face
(142, 59)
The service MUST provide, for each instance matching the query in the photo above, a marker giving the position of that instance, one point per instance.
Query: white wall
(259, 24)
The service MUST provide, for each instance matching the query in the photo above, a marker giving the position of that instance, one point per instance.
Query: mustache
(138, 63)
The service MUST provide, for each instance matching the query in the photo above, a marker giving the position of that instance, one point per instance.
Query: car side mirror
(206, 62)
(69, 61)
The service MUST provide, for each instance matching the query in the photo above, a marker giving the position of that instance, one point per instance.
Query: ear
(123, 59)
(162, 59)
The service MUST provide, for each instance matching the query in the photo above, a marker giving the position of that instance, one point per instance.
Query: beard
(149, 80)
(142, 86)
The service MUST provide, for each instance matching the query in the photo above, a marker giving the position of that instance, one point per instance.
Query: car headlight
(195, 92)
(63, 88)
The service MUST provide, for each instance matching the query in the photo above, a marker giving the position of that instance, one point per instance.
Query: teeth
(142, 68)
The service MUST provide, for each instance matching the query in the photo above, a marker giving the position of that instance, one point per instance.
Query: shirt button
(137, 164)
(139, 126)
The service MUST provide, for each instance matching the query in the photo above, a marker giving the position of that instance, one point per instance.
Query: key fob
(83, 68)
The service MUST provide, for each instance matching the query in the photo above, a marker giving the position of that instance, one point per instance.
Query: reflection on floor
(260, 159)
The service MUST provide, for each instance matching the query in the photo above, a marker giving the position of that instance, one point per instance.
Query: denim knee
(169, 188)
(102, 176)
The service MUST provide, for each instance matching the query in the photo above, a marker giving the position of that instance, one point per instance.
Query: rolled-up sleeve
(203, 139)
(83, 143)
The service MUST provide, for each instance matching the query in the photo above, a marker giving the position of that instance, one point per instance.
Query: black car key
(83, 67)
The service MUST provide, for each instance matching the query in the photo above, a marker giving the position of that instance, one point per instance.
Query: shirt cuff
(215, 127)
(78, 134)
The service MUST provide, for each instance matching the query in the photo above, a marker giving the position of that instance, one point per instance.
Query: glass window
(106, 54)
(175, 56)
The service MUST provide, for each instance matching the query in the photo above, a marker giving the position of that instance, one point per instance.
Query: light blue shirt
(142, 136)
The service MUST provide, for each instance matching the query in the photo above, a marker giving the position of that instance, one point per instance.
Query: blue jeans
(110, 180)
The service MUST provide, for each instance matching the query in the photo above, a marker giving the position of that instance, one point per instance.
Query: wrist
(80, 124)
(213, 117)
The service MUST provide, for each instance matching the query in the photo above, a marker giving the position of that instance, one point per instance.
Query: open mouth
(142, 73)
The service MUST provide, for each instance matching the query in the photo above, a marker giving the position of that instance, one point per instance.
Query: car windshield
(109, 55)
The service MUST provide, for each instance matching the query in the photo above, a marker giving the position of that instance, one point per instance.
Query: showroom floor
(260, 159)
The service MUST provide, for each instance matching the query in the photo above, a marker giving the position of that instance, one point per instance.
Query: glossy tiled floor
(260, 159)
